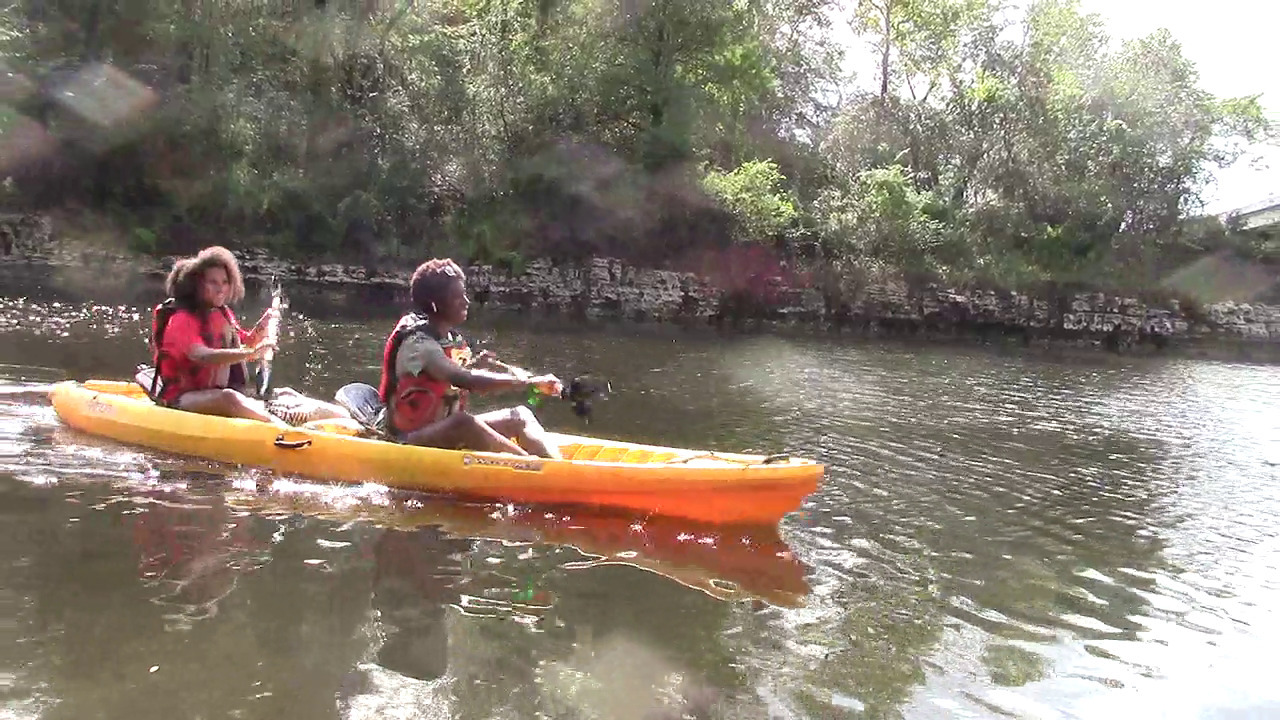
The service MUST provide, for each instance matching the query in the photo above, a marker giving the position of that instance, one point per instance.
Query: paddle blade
(583, 390)
(262, 381)
(361, 400)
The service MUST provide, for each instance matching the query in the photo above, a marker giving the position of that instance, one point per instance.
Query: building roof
(1263, 213)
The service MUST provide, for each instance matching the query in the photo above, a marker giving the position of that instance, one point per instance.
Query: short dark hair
(430, 282)
(183, 283)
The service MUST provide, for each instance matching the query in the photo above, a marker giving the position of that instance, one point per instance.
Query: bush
(753, 194)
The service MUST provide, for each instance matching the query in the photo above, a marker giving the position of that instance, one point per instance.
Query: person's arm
(205, 355)
(422, 355)
(258, 332)
(182, 337)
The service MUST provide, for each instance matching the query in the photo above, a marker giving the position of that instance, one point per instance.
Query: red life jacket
(414, 401)
(165, 375)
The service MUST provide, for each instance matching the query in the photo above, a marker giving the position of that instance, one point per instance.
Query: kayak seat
(145, 377)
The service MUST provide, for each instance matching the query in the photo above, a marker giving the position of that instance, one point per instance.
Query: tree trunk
(885, 49)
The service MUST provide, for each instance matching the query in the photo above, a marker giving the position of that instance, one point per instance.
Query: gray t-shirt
(421, 354)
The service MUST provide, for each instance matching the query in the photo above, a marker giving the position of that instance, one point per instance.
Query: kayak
(706, 486)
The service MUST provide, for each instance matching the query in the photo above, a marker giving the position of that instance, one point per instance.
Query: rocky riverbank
(609, 288)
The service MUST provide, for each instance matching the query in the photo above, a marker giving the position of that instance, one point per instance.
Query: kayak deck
(721, 488)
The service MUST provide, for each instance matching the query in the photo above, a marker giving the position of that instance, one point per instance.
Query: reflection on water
(997, 536)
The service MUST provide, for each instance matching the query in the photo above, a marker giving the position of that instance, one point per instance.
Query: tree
(1026, 147)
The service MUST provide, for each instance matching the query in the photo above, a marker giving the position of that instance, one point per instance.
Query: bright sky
(1233, 44)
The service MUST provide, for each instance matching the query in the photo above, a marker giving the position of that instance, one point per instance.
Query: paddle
(581, 390)
(273, 332)
(362, 401)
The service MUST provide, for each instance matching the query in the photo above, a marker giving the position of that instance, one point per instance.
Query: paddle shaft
(520, 373)
(272, 332)
(273, 328)
(573, 391)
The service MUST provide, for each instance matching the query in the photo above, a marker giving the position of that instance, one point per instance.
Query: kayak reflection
(727, 563)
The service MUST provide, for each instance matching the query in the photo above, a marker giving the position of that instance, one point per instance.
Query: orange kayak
(705, 486)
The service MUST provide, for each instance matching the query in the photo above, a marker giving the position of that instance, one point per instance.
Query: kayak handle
(291, 444)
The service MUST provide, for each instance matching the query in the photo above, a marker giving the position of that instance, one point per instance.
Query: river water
(998, 535)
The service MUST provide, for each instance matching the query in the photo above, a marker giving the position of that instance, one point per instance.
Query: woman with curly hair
(203, 352)
(428, 372)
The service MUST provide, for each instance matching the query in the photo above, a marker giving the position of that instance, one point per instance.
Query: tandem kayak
(706, 486)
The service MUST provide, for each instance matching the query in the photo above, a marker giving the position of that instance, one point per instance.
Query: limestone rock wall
(606, 287)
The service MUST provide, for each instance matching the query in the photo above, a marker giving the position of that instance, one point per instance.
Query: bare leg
(227, 403)
(315, 409)
(521, 423)
(329, 411)
(463, 430)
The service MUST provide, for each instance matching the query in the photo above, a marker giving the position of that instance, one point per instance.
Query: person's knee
(468, 430)
(229, 399)
(460, 419)
(240, 405)
(472, 424)
(525, 417)
(463, 424)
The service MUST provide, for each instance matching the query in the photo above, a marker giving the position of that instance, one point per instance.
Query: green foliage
(883, 216)
(753, 193)
(484, 232)
(1055, 156)
(1013, 149)
(142, 240)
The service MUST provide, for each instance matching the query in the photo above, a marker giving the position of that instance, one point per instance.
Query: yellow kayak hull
(719, 488)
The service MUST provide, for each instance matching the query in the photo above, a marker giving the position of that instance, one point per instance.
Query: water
(998, 535)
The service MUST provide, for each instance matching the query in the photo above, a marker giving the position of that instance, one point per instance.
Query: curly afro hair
(431, 281)
(183, 283)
